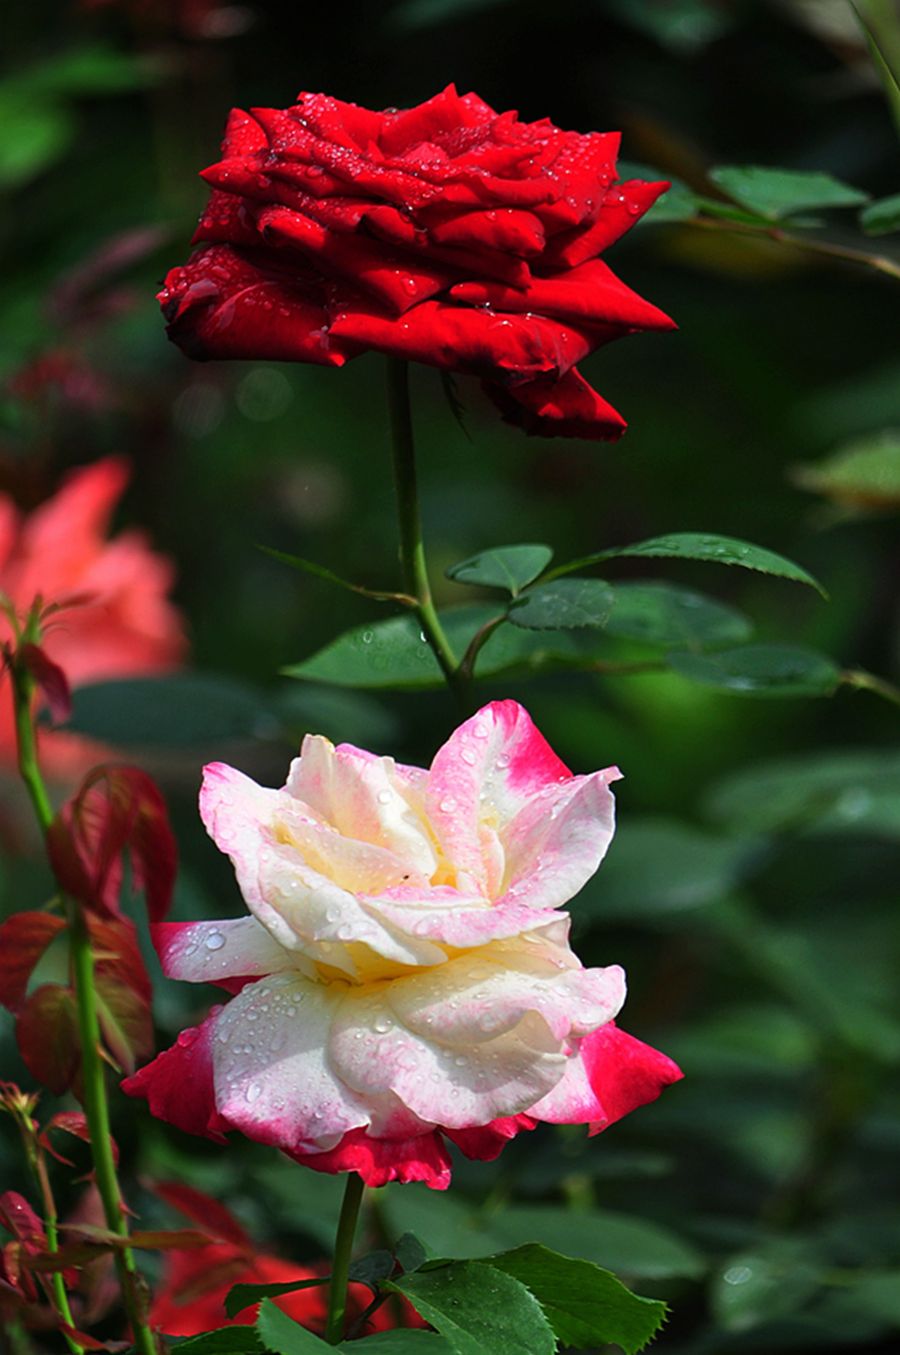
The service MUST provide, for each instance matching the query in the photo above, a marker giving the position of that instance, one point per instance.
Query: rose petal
(590, 293)
(622, 207)
(208, 952)
(273, 1075)
(378, 1161)
(485, 773)
(624, 1072)
(178, 1085)
(364, 797)
(567, 408)
(222, 305)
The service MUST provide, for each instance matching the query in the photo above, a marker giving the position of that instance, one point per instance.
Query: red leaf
(125, 1021)
(201, 1208)
(51, 680)
(70, 1122)
(117, 954)
(18, 1218)
(23, 939)
(115, 809)
(47, 1036)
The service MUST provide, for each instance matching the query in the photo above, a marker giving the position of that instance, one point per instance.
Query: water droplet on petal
(215, 941)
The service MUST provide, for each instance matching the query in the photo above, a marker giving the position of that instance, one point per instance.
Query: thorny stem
(96, 1105)
(340, 1270)
(868, 682)
(38, 1167)
(880, 262)
(412, 547)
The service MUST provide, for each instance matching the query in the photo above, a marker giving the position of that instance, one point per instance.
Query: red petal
(589, 294)
(622, 207)
(178, 1085)
(488, 1141)
(222, 305)
(363, 263)
(505, 229)
(381, 1160)
(624, 1072)
(465, 339)
(568, 408)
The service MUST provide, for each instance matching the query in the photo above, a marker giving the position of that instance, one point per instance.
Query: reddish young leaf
(51, 680)
(125, 1021)
(47, 1036)
(23, 939)
(18, 1218)
(201, 1208)
(117, 954)
(116, 809)
(70, 1122)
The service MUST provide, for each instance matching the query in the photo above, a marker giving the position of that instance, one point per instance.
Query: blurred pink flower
(121, 623)
(405, 974)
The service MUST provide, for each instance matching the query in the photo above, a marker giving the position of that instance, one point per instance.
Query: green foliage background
(752, 889)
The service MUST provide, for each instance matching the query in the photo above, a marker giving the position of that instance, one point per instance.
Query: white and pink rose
(404, 976)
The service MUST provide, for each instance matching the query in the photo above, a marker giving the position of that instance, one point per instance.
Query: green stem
(340, 1270)
(96, 1109)
(23, 692)
(869, 682)
(412, 546)
(96, 1106)
(51, 1220)
(827, 248)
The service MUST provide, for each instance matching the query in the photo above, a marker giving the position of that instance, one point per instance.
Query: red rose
(445, 233)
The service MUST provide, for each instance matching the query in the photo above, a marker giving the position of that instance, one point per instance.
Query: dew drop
(253, 1093)
(215, 941)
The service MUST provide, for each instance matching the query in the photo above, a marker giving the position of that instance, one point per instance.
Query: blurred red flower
(446, 233)
(121, 622)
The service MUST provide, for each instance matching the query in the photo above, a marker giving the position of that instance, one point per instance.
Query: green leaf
(720, 550)
(851, 791)
(657, 867)
(402, 1342)
(235, 1340)
(36, 134)
(393, 653)
(478, 1309)
(322, 572)
(864, 474)
(585, 1306)
(761, 670)
(241, 1296)
(507, 567)
(410, 1253)
(882, 217)
(180, 710)
(661, 614)
(629, 1245)
(369, 1270)
(755, 1287)
(878, 1292)
(284, 1336)
(777, 193)
(566, 604)
(678, 203)
(616, 1241)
